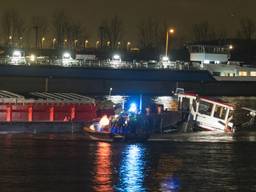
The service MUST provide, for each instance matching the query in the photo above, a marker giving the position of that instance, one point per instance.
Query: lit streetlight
(231, 47)
(118, 44)
(86, 43)
(10, 39)
(21, 41)
(53, 42)
(110, 91)
(75, 43)
(65, 42)
(170, 31)
(108, 43)
(97, 44)
(128, 45)
(43, 39)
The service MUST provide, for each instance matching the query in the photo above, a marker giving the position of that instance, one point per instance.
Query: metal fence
(101, 64)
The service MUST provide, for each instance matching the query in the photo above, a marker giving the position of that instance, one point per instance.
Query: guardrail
(103, 64)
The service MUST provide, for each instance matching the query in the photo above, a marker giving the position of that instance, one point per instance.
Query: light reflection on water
(132, 169)
(54, 165)
(103, 169)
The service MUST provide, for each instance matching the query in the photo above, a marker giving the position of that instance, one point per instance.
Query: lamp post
(86, 43)
(97, 44)
(128, 45)
(65, 43)
(75, 42)
(10, 40)
(110, 91)
(53, 42)
(43, 39)
(170, 31)
(108, 43)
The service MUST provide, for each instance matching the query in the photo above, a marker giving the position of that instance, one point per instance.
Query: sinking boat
(206, 113)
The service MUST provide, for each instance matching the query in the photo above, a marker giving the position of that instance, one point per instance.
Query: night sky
(182, 14)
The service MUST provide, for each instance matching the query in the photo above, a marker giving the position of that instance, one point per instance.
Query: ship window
(243, 73)
(253, 73)
(220, 112)
(205, 108)
(185, 104)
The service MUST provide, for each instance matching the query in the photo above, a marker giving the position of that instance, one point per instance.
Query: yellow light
(104, 121)
(32, 58)
(43, 39)
(231, 47)
(128, 43)
(65, 40)
(10, 37)
(171, 31)
(86, 41)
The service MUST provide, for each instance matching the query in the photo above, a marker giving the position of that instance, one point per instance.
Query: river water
(29, 164)
(203, 162)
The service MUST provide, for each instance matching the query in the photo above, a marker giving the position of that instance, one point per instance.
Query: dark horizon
(223, 16)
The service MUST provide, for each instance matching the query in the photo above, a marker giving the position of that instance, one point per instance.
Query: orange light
(171, 31)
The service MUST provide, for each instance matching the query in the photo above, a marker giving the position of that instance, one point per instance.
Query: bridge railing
(102, 64)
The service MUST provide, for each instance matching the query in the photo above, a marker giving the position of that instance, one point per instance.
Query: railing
(103, 64)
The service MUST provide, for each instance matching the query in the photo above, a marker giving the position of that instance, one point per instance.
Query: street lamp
(128, 45)
(97, 44)
(21, 41)
(110, 91)
(43, 39)
(75, 43)
(108, 43)
(170, 31)
(86, 43)
(231, 47)
(53, 42)
(65, 42)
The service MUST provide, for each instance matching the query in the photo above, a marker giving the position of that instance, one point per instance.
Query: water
(28, 164)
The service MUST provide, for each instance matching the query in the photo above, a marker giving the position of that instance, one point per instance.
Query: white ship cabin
(208, 54)
(208, 113)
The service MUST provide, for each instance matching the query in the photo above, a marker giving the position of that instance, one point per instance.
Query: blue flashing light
(133, 108)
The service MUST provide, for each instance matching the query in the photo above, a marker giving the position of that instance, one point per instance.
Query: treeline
(60, 30)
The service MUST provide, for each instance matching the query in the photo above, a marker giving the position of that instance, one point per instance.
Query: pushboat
(119, 128)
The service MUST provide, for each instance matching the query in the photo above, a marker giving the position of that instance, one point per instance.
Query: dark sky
(179, 13)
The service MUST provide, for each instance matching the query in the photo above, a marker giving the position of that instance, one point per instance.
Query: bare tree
(74, 34)
(13, 27)
(113, 29)
(41, 28)
(203, 32)
(61, 27)
(152, 34)
(247, 29)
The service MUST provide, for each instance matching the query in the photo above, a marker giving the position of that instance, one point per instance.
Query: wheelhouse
(208, 113)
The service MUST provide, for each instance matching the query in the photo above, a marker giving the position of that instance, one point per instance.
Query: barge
(44, 112)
